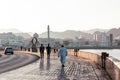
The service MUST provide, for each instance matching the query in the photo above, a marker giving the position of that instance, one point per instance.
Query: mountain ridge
(69, 34)
(13, 30)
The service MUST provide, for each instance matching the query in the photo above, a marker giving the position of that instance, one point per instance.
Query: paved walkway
(50, 69)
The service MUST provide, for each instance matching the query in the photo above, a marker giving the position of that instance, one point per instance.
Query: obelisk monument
(48, 28)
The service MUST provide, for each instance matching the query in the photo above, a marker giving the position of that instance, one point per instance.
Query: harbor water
(112, 52)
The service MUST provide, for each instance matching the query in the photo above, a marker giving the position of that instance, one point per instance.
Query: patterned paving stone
(50, 69)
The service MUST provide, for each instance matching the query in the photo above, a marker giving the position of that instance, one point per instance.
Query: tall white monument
(48, 34)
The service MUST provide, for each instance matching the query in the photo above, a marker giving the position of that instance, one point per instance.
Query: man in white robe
(62, 54)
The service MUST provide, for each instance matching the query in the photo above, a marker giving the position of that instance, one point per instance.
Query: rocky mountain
(69, 34)
(16, 32)
(115, 32)
(97, 29)
(13, 30)
(24, 35)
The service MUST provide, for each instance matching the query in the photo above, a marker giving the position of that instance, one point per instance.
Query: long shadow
(41, 64)
(62, 75)
(48, 64)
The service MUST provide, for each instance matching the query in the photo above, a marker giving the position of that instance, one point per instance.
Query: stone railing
(112, 65)
(113, 68)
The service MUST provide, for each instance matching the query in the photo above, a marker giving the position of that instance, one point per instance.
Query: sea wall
(112, 65)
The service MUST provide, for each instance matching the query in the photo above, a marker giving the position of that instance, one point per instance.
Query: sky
(60, 15)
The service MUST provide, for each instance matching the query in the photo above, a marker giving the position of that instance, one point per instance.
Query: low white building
(9, 39)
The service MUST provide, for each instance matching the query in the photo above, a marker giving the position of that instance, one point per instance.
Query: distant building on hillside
(103, 39)
(9, 39)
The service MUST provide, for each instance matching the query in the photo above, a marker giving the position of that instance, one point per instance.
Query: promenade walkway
(50, 69)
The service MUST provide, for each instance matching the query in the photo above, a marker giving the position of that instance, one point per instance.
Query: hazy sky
(35, 15)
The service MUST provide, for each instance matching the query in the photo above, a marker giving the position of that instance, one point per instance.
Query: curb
(33, 53)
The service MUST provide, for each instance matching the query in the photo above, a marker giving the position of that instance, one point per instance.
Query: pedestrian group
(62, 53)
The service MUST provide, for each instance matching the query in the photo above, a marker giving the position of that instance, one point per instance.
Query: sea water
(112, 52)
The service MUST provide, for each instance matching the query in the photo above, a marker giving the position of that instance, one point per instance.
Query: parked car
(8, 50)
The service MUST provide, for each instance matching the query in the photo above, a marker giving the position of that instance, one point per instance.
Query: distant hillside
(67, 34)
(16, 32)
(97, 29)
(31, 34)
(115, 32)
(24, 35)
(13, 30)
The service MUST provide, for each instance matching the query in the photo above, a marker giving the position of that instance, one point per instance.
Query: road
(10, 62)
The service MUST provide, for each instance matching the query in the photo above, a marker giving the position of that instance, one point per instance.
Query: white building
(102, 39)
(9, 39)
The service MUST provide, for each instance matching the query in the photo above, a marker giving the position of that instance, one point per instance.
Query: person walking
(41, 51)
(21, 48)
(48, 48)
(76, 52)
(62, 54)
(54, 48)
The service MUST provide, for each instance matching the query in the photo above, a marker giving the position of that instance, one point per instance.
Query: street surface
(10, 62)
(50, 69)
